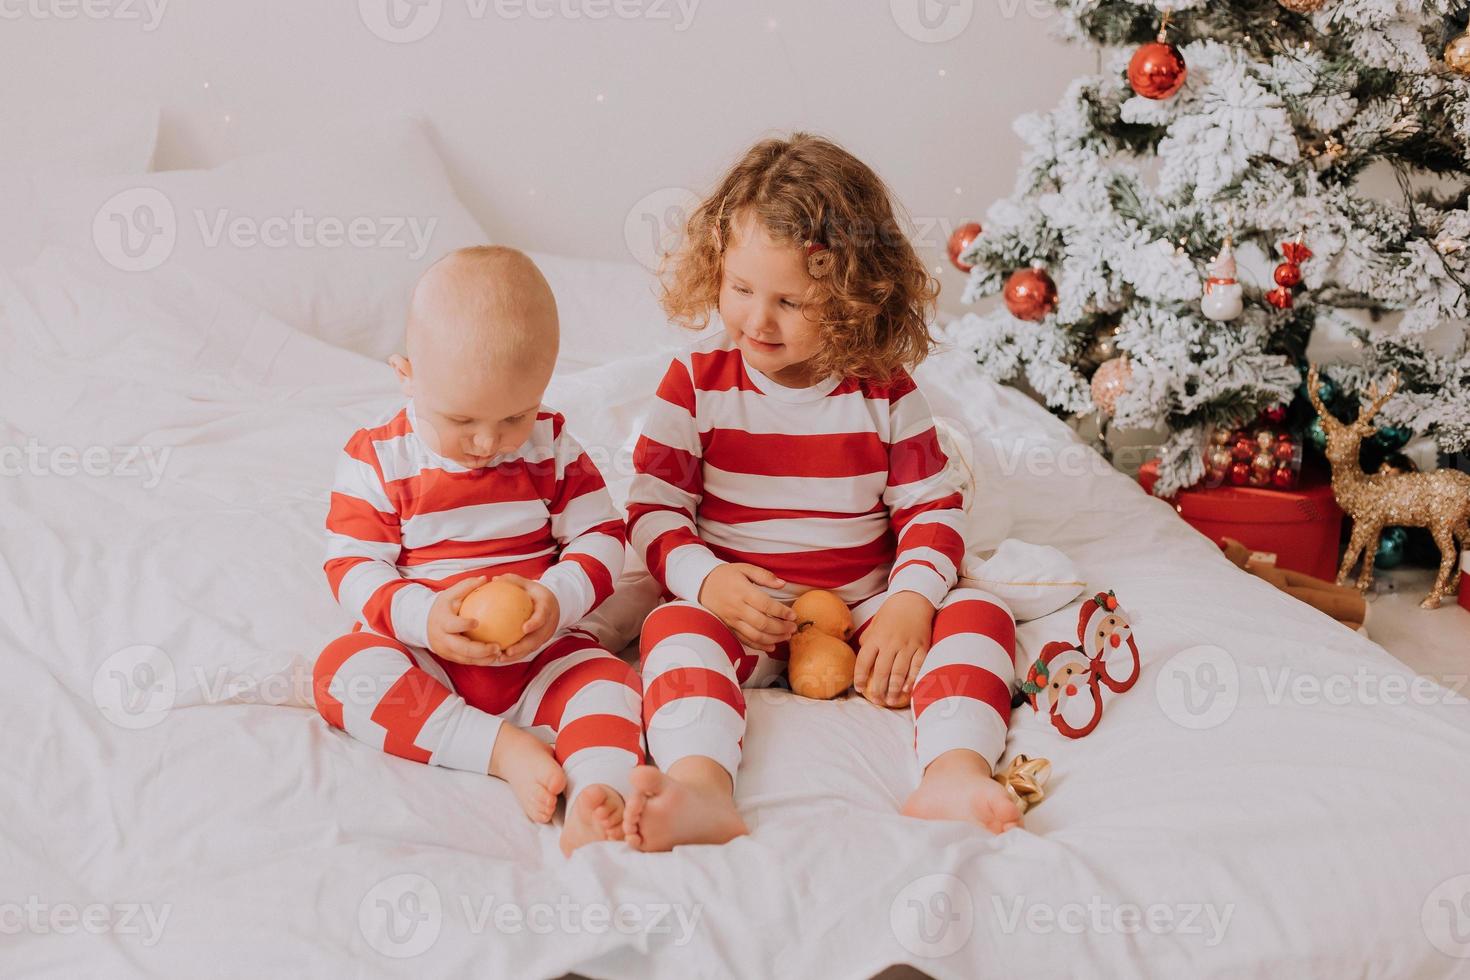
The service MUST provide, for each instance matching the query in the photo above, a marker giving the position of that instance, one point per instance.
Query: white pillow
(329, 238)
(608, 310)
(37, 142)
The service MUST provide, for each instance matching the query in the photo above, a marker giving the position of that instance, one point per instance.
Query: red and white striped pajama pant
(572, 694)
(694, 668)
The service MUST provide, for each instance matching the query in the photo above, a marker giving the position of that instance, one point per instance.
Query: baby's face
(761, 292)
(470, 416)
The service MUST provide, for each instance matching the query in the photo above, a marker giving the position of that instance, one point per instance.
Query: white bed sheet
(223, 829)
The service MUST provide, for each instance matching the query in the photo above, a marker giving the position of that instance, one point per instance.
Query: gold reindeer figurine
(1438, 501)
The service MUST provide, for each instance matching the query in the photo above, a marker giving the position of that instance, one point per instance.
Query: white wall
(557, 127)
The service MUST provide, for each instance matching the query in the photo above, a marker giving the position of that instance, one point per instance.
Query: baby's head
(482, 340)
(800, 251)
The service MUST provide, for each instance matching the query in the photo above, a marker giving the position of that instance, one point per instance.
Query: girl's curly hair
(875, 303)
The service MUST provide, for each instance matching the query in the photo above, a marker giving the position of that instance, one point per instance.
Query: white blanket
(1276, 796)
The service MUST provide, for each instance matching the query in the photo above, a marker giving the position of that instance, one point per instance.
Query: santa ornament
(1069, 684)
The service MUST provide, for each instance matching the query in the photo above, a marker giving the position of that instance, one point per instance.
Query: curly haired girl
(793, 451)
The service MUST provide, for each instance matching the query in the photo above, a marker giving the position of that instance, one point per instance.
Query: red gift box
(1302, 527)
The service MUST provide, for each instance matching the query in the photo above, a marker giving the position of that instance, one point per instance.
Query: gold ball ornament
(1111, 383)
(1457, 54)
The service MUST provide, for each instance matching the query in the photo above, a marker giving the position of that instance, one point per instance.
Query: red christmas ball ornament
(959, 241)
(1243, 449)
(1030, 294)
(1284, 451)
(1288, 274)
(1275, 415)
(1284, 478)
(1240, 473)
(1280, 298)
(1157, 70)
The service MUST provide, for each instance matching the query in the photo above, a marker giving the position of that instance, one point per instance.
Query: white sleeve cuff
(686, 569)
(568, 582)
(410, 613)
(921, 579)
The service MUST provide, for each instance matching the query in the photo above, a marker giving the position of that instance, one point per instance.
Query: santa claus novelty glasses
(1069, 682)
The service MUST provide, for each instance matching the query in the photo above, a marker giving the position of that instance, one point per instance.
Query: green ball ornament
(1392, 438)
(1327, 390)
(1391, 547)
(1317, 435)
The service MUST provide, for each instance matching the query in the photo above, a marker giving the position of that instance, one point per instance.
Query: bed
(1276, 795)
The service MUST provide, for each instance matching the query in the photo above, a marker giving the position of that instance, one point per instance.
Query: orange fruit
(821, 666)
(824, 612)
(500, 610)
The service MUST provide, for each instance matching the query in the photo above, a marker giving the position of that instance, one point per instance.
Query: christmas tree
(1225, 130)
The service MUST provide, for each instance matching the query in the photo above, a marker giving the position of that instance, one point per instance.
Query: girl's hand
(545, 613)
(732, 592)
(893, 649)
(447, 626)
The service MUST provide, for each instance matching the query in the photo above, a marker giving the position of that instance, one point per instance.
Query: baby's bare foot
(663, 812)
(595, 815)
(957, 786)
(526, 762)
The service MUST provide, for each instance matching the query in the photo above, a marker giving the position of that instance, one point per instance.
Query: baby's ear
(404, 369)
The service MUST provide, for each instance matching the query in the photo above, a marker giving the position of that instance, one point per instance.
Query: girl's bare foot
(595, 815)
(957, 786)
(526, 762)
(693, 804)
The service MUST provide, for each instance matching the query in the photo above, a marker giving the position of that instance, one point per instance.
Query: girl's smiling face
(763, 286)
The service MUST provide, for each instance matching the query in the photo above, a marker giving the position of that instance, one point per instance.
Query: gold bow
(1025, 780)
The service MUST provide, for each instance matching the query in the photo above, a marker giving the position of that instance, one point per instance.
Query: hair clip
(819, 259)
